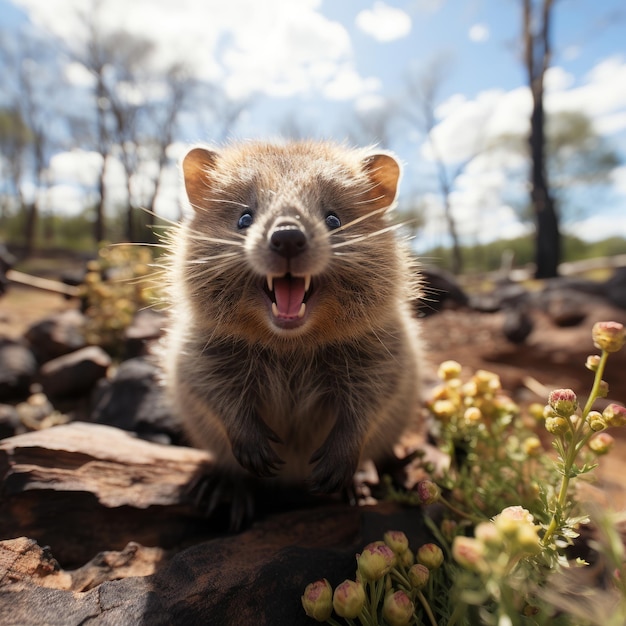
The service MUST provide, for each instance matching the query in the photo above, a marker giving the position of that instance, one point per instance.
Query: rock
(517, 325)
(615, 288)
(17, 369)
(10, 424)
(146, 328)
(57, 335)
(507, 295)
(256, 577)
(439, 288)
(74, 374)
(134, 401)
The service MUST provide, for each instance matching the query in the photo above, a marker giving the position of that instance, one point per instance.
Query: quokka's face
(288, 240)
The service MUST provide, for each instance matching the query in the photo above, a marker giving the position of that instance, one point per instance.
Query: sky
(323, 63)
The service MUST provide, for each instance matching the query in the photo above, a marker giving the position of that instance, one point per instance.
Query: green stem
(596, 383)
(572, 451)
(426, 605)
(456, 511)
(456, 614)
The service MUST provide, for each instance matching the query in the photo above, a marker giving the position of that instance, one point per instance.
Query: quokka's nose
(288, 240)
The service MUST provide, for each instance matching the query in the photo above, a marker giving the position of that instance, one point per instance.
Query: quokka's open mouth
(288, 295)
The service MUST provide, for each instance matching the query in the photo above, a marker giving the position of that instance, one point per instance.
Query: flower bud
(418, 576)
(527, 539)
(601, 443)
(427, 491)
(596, 421)
(536, 411)
(592, 362)
(376, 560)
(608, 336)
(603, 389)
(486, 382)
(398, 609)
(443, 409)
(449, 370)
(556, 425)
(472, 415)
(532, 446)
(430, 555)
(615, 415)
(317, 600)
(406, 559)
(468, 552)
(397, 541)
(448, 529)
(563, 402)
(510, 519)
(348, 599)
(487, 534)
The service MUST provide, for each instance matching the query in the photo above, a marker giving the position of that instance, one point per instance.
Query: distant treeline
(75, 234)
(489, 257)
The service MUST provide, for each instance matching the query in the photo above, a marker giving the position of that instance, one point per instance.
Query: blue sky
(319, 61)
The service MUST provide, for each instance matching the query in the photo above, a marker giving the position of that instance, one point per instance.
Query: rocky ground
(535, 340)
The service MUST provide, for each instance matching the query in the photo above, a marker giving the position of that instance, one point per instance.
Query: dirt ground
(551, 358)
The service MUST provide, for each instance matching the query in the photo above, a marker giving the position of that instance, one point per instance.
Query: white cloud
(77, 167)
(277, 47)
(478, 33)
(383, 22)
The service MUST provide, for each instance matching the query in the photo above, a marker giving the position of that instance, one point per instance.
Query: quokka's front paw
(253, 451)
(334, 469)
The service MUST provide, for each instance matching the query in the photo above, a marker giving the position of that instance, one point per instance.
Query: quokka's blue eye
(245, 220)
(332, 221)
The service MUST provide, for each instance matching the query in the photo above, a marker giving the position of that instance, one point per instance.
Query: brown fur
(305, 402)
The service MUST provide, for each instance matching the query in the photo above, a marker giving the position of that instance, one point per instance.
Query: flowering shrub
(116, 286)
(501, 551)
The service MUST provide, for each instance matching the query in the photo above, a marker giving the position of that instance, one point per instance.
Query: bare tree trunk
(537, 61)
(99, 226)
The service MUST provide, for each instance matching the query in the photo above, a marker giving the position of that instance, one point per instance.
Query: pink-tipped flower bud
(397, 541)
(375, 561)
(427, 491)
(398, 609)
(592, 362)
(601, 443)
(448, 529)
(487, 534)
(596, 421)
(468, 552)
(608, 336)
(556, 425)
(615, 415)
(563, 402)
(418, 576)
(449, 370)
(317, 600)
(348, 599)
(430, 555)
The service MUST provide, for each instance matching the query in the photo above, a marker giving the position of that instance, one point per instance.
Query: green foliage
(488, 257)
(511, 515)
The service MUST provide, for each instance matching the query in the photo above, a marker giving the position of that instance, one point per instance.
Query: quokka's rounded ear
(384, 172)
(197, 166)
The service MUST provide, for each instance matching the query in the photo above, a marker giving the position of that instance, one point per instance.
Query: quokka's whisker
(353, 240)
(213, 257)
(207, 239)
(357, 220)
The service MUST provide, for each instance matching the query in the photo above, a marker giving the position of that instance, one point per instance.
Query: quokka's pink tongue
(289, 294)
